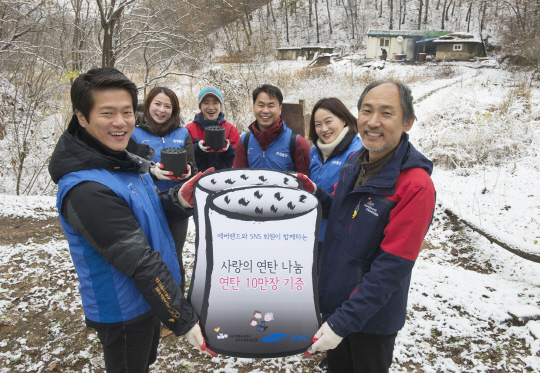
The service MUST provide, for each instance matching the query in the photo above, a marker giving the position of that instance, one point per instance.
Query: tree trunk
(248, 36)
(352, 18)
(310, 12)
(426, 12)
(420, 13)
(404, 11)
(287, 22)
(329, 19)
(272, 11)
(317, 21)
(447, 10)
(442, 17)
(248, 15)
(468, 18)
(391, 14)
(483, 18)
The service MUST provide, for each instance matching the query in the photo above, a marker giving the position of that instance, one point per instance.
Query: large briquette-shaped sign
(254, 282)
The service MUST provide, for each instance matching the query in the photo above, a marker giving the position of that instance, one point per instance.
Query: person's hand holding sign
(196, 339)
(185, 194)
(325, 339)
(307, 184)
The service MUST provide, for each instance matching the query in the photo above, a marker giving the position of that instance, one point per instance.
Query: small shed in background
(459, 46)
(292, 53)
(394, 41)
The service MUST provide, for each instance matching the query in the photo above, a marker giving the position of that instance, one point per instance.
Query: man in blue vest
(116, 225)
(270, 143)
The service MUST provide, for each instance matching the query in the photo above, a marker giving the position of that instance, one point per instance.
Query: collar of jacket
(142, 123)
(203, 123)
(77, 150)
(384, 183)
(340, 148)
(266, 137)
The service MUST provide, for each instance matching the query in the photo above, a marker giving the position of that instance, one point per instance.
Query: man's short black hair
(405, 96)
(99, 79)
(270, 90)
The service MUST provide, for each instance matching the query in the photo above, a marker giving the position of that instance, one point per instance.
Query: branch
(523, 252)
(174, 73)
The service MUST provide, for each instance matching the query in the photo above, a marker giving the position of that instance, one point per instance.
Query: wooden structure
(394, 41)
(459, 46)
(295, 117)
(292, 53)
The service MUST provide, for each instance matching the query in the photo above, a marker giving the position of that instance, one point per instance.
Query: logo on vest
(284, 155)
(146, 142)
(337, 162)
(178, 141)
(132, 188)
(369, 207)
(250, 151)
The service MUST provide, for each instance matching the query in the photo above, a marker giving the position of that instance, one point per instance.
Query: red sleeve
(193, 131)
(240, 156)
(233, 135)
(410, 219)
(301, 156)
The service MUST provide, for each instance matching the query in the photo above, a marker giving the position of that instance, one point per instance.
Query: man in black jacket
(116, 225)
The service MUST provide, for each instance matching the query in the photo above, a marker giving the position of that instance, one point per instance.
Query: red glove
(184, 176)
(225, 148)
(185, 194)
(307, 184)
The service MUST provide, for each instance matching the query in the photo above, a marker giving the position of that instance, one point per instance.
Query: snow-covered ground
(473, 306)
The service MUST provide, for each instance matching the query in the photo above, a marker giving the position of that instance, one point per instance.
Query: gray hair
(405, 96)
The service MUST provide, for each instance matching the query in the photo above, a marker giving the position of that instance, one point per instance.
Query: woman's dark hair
(161, 129)
(99, 79)
(336, 107)
(270, 90)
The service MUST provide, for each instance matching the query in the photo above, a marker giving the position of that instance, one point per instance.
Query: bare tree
(329, 18)
(421, 4)
(317, 21)
(392, 14)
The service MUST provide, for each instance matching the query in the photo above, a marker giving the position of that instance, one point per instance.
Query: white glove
(325, 339)
(196, 339)
(203, 147)
(159, 173)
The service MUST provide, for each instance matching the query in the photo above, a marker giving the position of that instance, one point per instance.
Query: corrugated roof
(457, 41)
(403, 33)
(424, 40)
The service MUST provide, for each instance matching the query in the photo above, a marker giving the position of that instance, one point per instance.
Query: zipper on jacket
(163, 139)
(264, 153)
(355, 212)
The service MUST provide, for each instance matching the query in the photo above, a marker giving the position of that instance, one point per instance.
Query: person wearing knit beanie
(211, 105)
(210, 91)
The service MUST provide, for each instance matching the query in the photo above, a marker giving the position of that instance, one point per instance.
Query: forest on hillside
(45, 44)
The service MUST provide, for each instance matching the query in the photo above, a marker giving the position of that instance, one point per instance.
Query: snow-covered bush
(466, 131)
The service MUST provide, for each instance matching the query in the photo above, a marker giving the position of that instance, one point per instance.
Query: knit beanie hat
(210, 91)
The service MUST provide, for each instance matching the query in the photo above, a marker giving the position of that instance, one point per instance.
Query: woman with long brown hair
(161, 126)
